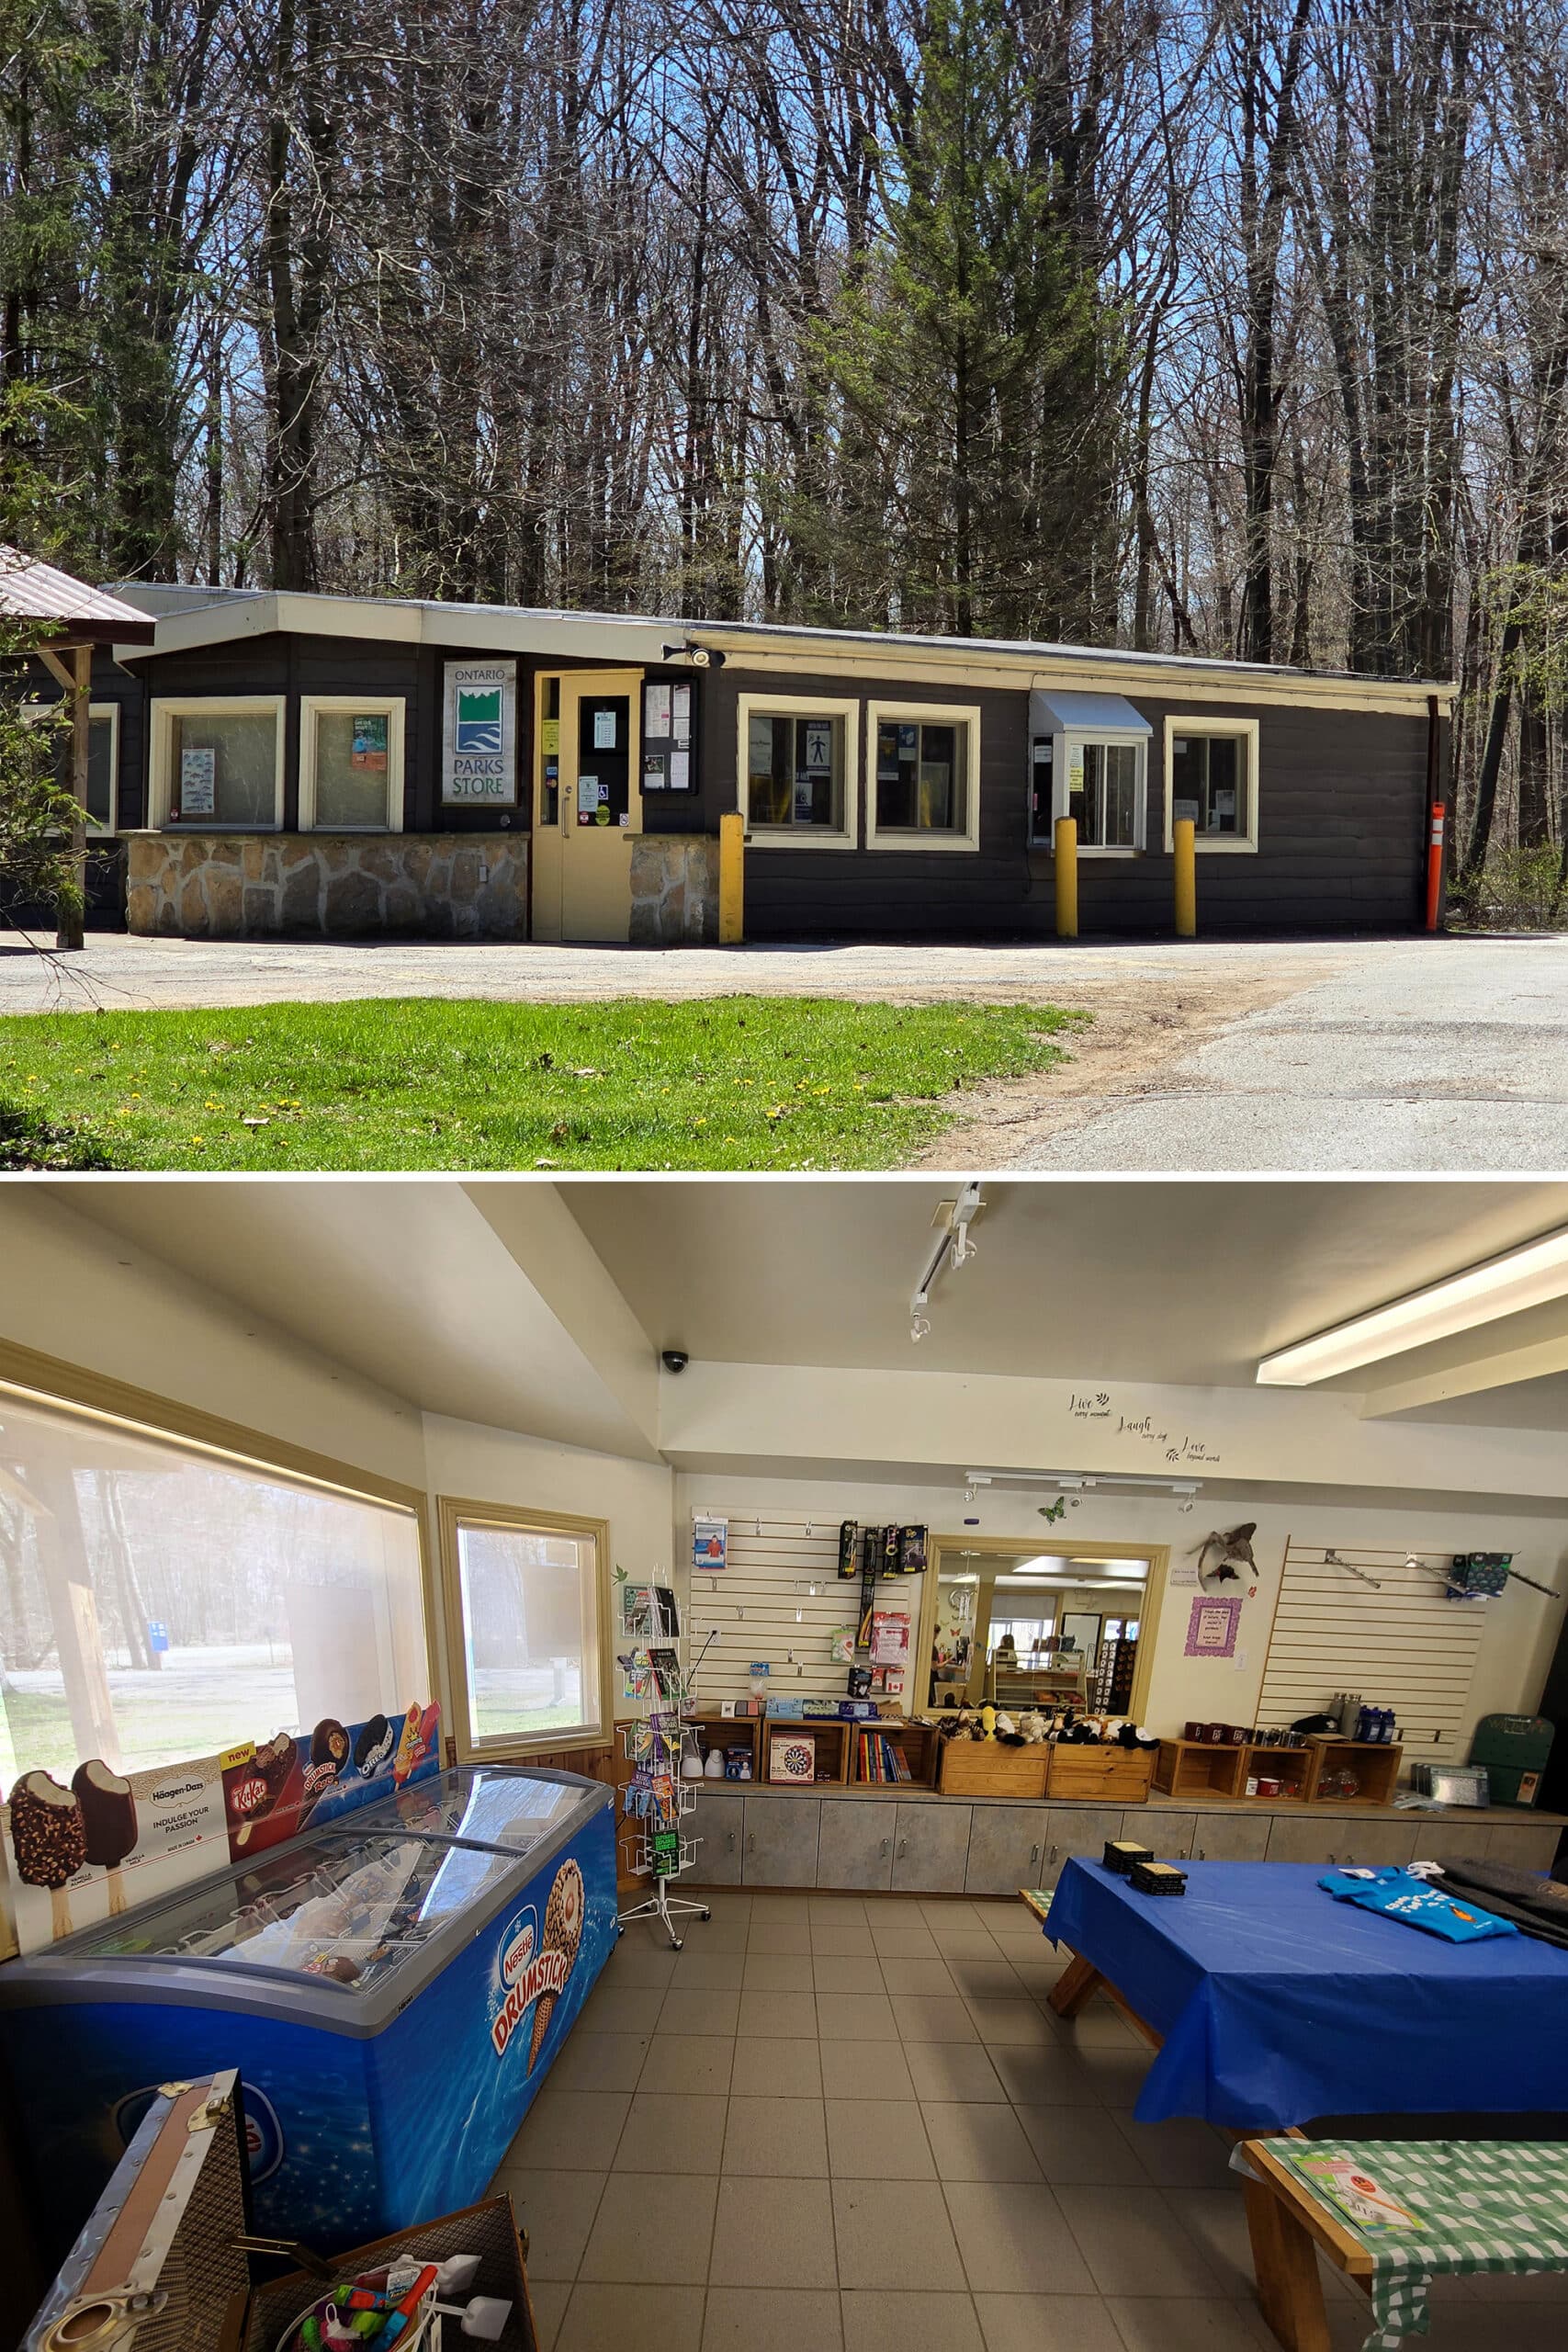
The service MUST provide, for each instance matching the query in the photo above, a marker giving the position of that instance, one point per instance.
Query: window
(925, 778)
(103, 761)
(1211, 775)
(103, 768)
(797, 770)
(218, 765)
(526, 1627)
(351, 763)
(164, 1601)
(1104, 790)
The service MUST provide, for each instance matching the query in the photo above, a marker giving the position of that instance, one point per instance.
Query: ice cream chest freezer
(392, 1989)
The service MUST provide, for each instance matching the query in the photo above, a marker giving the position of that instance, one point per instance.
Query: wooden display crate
(1198, 1768)
(722, 1732)
(984, 1768)
(916, 1743)
(1112, 1772)
(832, 1736)
(1375, 1767)
(1293, 1768)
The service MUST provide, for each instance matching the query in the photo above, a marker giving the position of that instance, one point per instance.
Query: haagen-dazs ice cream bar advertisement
(81, 1849)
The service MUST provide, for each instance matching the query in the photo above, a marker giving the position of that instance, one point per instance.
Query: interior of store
(670, 1702)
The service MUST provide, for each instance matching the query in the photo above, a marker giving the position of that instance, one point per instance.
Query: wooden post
(731, 878)
(1184, 840)
(74, 673)
(1066, 846)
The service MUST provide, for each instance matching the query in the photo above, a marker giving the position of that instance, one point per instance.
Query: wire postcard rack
(656, 1795)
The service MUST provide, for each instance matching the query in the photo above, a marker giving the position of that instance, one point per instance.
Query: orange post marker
(1435, 866)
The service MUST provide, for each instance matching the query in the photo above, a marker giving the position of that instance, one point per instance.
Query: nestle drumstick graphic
(563, 1933)
(109, 1822)
(47, 1841)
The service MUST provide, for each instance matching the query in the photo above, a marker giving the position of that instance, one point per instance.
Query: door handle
(903, 1847)
(1034, 1853)
(752, 1842)
(885, 1843)
(730, 1847)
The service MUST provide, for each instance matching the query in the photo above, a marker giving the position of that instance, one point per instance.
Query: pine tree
(974, 372)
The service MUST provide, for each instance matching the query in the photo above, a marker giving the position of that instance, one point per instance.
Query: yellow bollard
(1184, 838)
(1067, 877)
(731, 878)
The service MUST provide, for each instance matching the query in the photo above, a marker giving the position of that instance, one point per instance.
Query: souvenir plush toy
(1033, 1727)
(988, 1722)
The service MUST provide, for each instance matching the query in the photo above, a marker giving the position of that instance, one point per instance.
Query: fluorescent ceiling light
(1531, 1276)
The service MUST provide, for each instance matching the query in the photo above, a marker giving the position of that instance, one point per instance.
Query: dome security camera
(675, 1359)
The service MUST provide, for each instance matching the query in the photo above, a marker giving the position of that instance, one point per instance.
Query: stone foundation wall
(433, 886)
(674, 890)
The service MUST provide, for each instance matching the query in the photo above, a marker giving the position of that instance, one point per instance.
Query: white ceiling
(466, 1299)
(1185, 1281)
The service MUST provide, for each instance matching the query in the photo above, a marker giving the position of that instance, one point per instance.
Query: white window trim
(164, 713)
(1063, 757)
(35, 713)
(1209, 723)
(749, 707)
(394, 707)
(938, 714)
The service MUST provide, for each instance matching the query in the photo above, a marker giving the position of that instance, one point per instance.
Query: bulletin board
(669, 735)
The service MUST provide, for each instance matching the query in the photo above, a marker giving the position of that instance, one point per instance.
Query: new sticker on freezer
(535, 1977)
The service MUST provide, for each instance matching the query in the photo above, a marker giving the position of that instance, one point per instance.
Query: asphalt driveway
(1410, 1054)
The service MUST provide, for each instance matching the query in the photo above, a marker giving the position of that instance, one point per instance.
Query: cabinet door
(1072, 1829)
(1528, 1845)
(854, 1845)
(931, 1847)
(1228, 1838)
(1380, 1843)
(1171, 1837)
(1305, 1837)
(781, 1841)
(1007, 1846)
(720, 1822)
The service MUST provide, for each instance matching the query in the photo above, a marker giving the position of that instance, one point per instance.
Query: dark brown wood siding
(1340, 839)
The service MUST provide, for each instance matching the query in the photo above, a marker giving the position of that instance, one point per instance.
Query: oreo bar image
(374, 1746)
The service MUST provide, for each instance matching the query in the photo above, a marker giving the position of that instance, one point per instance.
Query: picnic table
(1470, 2207)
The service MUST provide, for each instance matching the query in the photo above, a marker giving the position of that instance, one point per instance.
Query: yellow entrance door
(588, 802)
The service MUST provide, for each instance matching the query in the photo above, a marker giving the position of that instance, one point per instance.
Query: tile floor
(853, 2126)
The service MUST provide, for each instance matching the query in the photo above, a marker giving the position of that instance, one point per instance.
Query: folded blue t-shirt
(1396, 1895)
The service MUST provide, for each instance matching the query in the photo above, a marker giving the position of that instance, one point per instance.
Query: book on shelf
(881, 1759)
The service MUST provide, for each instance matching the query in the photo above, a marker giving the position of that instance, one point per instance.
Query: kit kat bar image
(47, 1841)
(109, 1822)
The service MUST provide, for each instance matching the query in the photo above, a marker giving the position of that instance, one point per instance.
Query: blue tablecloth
(1277, 2004)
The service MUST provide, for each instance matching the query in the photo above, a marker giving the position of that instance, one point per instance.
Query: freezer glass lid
(349, 1910)
(510, 1809)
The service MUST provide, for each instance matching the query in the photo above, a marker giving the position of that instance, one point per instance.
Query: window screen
(353, 767)
(922, 771)
(1209, 782)
(223, 768)
(795, 771)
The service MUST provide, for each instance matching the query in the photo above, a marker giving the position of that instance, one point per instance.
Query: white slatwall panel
(772, 1565)
(1403, 1646)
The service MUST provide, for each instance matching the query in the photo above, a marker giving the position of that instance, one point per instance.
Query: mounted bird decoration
(1225, 1562)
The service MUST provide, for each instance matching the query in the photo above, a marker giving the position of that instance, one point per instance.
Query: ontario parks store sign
(479, 735)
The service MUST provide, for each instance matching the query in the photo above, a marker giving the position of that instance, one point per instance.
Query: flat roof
(188, 618)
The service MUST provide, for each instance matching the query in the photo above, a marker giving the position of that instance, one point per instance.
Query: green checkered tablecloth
(1479, 2205)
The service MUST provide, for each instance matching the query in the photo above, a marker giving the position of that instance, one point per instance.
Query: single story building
(300, 765)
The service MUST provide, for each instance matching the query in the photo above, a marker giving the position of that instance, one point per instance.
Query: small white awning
(1054, 712)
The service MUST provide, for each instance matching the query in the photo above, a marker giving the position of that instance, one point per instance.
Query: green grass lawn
(725, 1083)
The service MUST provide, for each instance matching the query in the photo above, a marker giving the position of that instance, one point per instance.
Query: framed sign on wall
(479, 735)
